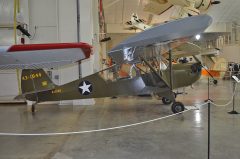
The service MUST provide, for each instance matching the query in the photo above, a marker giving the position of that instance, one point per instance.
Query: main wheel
(215, 82)
(166, 101)
(177, 107)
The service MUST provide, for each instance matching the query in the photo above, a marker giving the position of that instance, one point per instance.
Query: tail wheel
(166, 101)
(177, 107)
(33, 108)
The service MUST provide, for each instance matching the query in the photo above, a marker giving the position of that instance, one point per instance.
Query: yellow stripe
(18, 6)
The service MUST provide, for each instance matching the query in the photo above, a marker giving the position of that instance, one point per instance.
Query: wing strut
(169, 92)
(170, 66)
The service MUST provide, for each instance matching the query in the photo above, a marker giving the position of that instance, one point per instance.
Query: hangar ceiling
(227, 11)
(119, 11)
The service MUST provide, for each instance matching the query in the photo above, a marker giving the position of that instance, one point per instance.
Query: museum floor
(180, 137)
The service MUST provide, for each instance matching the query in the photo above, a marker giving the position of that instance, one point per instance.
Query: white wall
(67, 32)
(217, 27)
(86, 33)
(231, 53)
(67, 20)
(8, 85)
(56, 21)
(6, 18)
(43, 21)
(89, 32)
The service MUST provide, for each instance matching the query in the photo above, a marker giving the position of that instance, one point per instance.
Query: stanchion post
(233, 110)
(209, 119)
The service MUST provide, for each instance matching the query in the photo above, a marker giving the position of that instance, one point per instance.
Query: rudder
(35, 81)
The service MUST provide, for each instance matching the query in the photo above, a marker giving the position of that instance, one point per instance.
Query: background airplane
(136, 23)
(187, 7)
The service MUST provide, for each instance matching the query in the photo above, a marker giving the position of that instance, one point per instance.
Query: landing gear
(33, 109)
(215, 82)
(166, 101)
(177, 107)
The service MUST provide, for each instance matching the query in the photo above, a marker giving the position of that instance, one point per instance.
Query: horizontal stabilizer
(36, 56)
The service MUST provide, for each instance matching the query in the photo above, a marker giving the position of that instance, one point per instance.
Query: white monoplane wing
(35, 56)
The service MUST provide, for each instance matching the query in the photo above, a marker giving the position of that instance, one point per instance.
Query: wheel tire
(215, 82)
(166, 101)
(177, 107)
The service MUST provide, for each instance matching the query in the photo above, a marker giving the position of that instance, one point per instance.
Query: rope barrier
(117, 127)
(92, 131)
(229, 102)
(197, 107)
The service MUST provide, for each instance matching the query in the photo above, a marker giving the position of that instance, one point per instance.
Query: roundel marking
(85, 88)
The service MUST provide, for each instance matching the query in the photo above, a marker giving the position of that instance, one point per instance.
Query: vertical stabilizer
(35, 81)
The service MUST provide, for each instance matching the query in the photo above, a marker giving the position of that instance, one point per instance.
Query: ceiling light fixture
(198, 37)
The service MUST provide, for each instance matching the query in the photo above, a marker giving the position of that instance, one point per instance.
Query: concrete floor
(182, 136)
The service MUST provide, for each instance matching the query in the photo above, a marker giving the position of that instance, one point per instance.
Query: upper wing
(168, 31)
(35, 56)
(163, 33)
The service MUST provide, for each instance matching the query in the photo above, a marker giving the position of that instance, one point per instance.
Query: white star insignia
(85, 88)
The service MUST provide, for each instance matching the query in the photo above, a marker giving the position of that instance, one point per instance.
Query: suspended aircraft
(36, 85)
(137, 23)
(187, 7)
